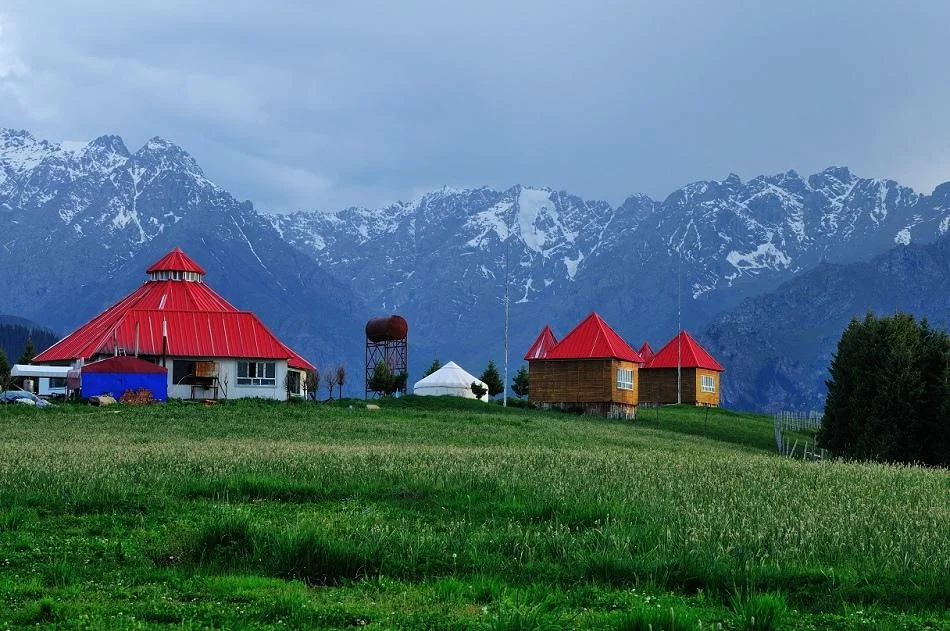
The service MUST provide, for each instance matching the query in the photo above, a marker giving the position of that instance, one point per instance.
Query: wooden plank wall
(579, 381)
(658, 385)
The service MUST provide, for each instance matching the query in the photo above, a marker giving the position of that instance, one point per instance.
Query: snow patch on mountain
(531, 203)
(572, 264)
(490, 221)
(766, 255)
(528, 287)
(902, 237)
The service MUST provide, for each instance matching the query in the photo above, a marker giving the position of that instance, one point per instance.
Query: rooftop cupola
(176, 265)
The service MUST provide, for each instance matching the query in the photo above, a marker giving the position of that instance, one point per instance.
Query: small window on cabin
(257, 373)
(709, 384)
(625, 378)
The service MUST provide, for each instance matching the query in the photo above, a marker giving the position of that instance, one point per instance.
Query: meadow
(448, 514)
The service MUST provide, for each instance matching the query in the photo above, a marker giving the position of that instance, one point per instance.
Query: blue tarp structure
(116, 375)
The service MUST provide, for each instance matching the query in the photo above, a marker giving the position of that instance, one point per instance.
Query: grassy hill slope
(448, 514)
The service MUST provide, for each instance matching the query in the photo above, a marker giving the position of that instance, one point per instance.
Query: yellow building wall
(707, 398)
(617, 395)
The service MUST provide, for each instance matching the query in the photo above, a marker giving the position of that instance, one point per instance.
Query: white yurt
(450, 379)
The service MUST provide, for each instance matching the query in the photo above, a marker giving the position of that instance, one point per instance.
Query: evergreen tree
(492, 379)
(28, 352)
(4, 370)
(400, 382)
(889, 392)
(434, 366)
(519, 385)
(382, 380)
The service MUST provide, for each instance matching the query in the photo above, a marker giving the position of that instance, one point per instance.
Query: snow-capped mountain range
(79, 225)
(78, 218)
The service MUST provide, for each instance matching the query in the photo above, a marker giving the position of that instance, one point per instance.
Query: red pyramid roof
(175, 261)
(646, 352)
(199, 323)
(545, 342)
(593, 339)
(692, 355)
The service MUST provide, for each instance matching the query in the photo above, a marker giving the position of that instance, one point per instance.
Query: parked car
(22, 397)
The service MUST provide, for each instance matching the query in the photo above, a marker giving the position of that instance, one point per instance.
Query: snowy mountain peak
(841, 174)
(732, 180)
(159, 155)
(942, 193)
(107, 152)
(160, 150)
(20, 151)
(109, 142)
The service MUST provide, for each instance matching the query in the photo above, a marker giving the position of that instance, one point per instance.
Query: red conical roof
(646, 352)
(593, 339)
(545, 342)
(175, 261)
(691, 355)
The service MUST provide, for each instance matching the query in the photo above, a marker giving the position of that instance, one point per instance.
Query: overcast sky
(321, 105)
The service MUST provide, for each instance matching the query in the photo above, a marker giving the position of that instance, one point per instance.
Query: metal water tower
(387, 340)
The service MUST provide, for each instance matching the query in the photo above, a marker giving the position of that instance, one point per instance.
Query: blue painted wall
(96, 383)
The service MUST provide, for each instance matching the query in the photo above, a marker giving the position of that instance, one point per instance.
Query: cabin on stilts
(592, 369)
(683, 360)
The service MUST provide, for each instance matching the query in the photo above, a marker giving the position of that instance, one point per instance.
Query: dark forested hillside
(14, 332)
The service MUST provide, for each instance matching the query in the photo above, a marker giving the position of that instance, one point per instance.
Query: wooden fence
(799, 422)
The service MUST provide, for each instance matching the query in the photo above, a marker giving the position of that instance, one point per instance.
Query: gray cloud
(323, 105)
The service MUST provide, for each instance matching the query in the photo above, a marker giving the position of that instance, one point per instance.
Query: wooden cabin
(592, 369)
(699, 374)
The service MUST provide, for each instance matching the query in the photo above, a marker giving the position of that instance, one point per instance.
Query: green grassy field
(448, 514)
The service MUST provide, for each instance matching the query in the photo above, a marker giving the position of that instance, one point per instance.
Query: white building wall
(227, 374)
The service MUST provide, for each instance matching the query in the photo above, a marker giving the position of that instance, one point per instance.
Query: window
(293, 382)
(57, 382)
(183, 371)
(257, 373)
(709, 384)
(625, 378)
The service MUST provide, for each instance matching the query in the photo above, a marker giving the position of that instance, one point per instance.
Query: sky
(324, 105)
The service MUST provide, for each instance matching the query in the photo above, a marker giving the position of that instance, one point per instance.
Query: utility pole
(504, 398)
(679, 327)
